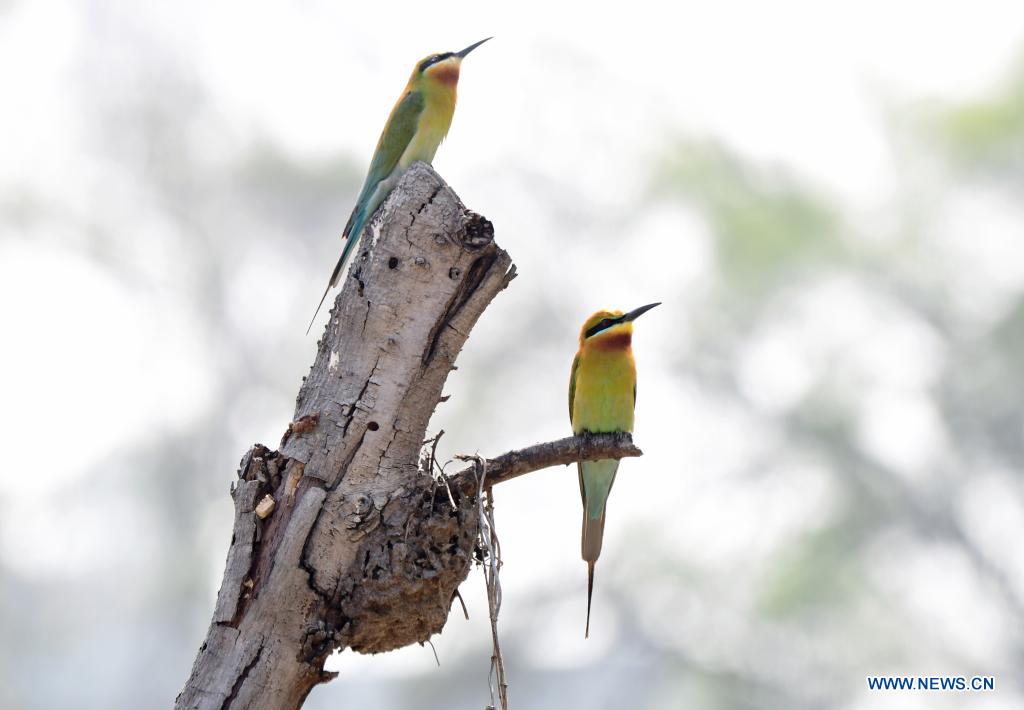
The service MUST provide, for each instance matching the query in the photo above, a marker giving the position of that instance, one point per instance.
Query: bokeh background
(827, 197)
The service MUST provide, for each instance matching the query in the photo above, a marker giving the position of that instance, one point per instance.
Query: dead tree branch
(562, 452)
(339, 540)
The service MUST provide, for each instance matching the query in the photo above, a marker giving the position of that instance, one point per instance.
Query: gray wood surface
(362, 550)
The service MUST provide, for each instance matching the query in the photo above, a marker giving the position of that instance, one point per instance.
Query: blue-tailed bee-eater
(418, 123)
(602, 395)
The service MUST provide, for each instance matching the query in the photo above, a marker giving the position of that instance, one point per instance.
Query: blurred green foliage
(988, 134)
(766, 227)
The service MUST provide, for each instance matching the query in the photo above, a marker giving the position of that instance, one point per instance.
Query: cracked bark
(362, 550)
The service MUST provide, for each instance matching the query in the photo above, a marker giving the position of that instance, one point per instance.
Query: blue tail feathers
(354, 234)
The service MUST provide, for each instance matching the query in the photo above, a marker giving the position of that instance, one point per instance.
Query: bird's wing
(572, 384)
(398, 133)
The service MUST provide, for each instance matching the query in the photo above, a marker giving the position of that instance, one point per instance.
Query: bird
(602, 396)
(418, 123)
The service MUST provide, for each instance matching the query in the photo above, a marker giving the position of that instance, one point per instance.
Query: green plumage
(602, 396)
(602, 393)
(418, 123)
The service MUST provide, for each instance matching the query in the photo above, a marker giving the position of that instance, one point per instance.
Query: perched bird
(418, 123)
(602, 394)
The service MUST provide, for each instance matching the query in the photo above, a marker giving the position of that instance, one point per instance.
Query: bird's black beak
(470, 48)
(636, 313)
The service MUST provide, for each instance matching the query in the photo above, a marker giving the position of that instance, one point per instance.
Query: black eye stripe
(433, 60)
(604, 323)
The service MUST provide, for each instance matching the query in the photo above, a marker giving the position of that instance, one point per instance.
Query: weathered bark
(360, 549)
(552, 453)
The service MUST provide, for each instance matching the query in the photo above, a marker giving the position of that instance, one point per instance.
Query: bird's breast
(604, 395)
(431, 129)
